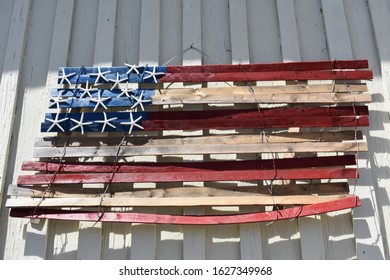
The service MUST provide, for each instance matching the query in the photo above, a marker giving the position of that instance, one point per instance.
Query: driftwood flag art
(305, 134)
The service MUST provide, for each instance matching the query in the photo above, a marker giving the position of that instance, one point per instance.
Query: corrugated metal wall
(37, 36)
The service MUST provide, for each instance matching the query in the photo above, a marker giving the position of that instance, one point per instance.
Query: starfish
(152, 74)
(126, 91)
(99, 100)
(106, 122)
(80, 123)
(64, 77)
(132, 68)
(56, 122)
(139, 101)
(133, 123)
(117, 81)
(100, 74)
(86, 90)
(57, 100)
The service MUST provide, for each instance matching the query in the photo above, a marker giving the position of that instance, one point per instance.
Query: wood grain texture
(302, 211)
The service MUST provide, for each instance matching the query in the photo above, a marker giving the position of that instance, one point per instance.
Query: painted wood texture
(314, 41)
(291, 213)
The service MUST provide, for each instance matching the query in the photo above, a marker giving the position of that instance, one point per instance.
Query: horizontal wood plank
(284, 66)
(136, 140)
(272, 216)
(171, 201)
(199, 149)
(121, 191)
(267, 76)
(187, 176)
(104, 167)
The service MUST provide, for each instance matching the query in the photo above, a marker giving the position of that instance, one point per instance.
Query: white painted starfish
(152, 74)
(133, 123)
(100, 74)
(86, 90)
(99, 101)
(106, 122)
(56, 122)
(117, 81)
(132, 68)
(57, 100)
(126, 91)
(139, 101)
(64, 77)
(80, 123)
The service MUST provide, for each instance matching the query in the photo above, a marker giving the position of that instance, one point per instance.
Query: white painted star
(99, 100)
(132, 67)
(106, 122)
(80, 123)
(133, 123)
(64, 77)
(56, 122)
(126, 91)
(152, 74)
(86, 90)
(57, 100)
(100, 74)
(139, 101)
(117, 81)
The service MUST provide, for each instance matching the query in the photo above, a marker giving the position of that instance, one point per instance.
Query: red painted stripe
(267, 76)
(284, 66)
(290, 213)
(340, 111)
(205, 176)
(106, 167)
(281, 122)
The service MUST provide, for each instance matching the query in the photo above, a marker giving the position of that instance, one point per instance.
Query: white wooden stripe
(57, 246)
(5, 23)
(90, 235)
(341, 242)
(143, 241)
(370, 246)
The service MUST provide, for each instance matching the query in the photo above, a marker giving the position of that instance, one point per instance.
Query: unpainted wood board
(205, 149)
(171, 201)
(290, 189)
(277, 137)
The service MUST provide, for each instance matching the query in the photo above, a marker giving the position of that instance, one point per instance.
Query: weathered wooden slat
(289, 189)
(186, 176)
(267, 76)
(104, 167)
(290, 213)
(193, 120)
(274, 98)
(172, 201)
(198, 149)
(226, 91)
(136, 140)
(285, 66)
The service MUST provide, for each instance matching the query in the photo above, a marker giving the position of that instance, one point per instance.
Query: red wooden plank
(340, 111)
(259, 122)
(205, 176)
(106, 167)
(267, 76)
(290, 213)
(285, 66)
